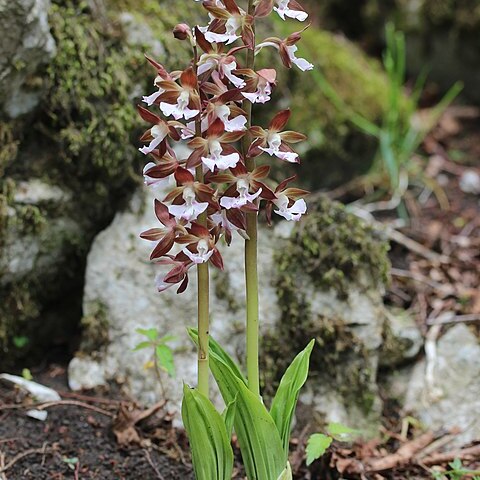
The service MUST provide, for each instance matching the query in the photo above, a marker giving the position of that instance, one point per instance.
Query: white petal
(188, 113)
(151, 98)
(287, 156)
(303, 64)
(232, 202)
(235, 124)
(220, 38)
(168, 109)
(153, 144)
(251, 96)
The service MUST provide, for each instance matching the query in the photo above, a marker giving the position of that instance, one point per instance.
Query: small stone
(470, 182)
(452, 399)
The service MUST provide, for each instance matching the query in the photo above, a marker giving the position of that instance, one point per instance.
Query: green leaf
(341, 432)
(260, 443)
(216, 349)
(20, 342)
(27, 374)
(150, 333)
(168, 338)
(316, 446)
(142, 345)
(285, 401)
(212, 454)
(165, 359)
(228, 416)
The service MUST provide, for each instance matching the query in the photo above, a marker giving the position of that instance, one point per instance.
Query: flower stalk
(251, 249)
(203, 282)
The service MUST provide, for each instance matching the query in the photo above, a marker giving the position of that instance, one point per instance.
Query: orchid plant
(214, 194)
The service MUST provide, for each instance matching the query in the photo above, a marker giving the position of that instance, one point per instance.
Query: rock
(119, 287)
(451, 398)
(345, 314)
(470, 182)
(402, 340)
(39, 248)
(138, 34)
(26, 46)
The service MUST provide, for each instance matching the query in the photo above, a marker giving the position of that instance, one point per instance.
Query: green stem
(203, 327)
(203, 285)
(251, 274)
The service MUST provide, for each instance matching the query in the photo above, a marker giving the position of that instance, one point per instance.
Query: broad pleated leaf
(285, 401)
(260, 442)
(216, 349)
(228, 416)
(212, 454)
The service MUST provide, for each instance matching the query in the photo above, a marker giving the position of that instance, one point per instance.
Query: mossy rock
(336, 151)
(330, 279)
(82, 140)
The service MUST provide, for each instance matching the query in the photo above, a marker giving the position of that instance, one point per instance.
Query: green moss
(223, 290)
(95, 327)
(89, 110)
(16, 308)
(330, 249)
(8, 146)
(338, 150)
(335, 248)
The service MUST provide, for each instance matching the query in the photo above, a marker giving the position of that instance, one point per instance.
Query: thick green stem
(251, 275)
(203, 290)
(203, 326)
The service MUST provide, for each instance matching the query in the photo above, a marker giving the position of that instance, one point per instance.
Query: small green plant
(162, 355)
(318, 443)
(457, 472)
(401, 131)
(27, 374)
(20, 341)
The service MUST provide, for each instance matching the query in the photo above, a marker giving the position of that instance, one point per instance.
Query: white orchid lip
(243, 198)
(203, 253)
(180, 109)
(235, 124)
(301, 63)
(215, 158)
(293, 213)
(283, 11)
(158, 132)
(262, 95)
(230, 35)
(191, 209)
(274, 141)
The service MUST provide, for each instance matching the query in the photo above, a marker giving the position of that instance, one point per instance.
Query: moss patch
(330, 250)
(335, 248)
(95, 328)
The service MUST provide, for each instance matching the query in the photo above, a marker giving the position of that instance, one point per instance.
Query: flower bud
(182, 31)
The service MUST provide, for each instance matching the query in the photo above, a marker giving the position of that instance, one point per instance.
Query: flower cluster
(211, 192)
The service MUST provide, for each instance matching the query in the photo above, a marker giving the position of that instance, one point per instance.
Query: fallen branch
(26, 453)
(469, 453)
(452, 318)
(150, 461)
(402, 456)
(75, 403)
